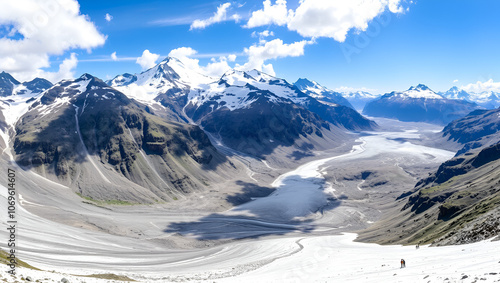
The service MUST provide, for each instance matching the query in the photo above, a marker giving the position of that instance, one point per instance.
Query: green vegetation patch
(106, 202)
(4, 260)
(109, 276)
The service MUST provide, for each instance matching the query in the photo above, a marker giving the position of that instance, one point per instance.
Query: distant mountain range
(418, 104)
(10, 86)
(359, 99)
(486, 99)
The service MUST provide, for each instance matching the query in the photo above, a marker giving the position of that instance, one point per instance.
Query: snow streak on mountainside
(321, 93)
(419, 104)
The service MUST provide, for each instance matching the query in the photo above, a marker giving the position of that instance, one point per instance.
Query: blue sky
(438, 43)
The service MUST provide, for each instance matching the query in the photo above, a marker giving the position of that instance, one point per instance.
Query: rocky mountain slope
(254, 108)
(321, 93)
(419, 104)
(460, 202)
(476, 130)
(110, 147)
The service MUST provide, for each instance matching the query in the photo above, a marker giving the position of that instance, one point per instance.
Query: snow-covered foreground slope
(328, 259)
(340, 259)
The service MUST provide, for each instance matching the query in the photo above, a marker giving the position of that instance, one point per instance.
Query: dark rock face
(38, 85)
(479, 128)
(7, 84)
(341, 116)
(263, 126)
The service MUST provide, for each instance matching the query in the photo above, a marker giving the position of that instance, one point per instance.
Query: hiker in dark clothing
(403, 263)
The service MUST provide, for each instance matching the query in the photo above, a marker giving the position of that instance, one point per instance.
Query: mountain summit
(10, 86)
(321, 93)
(418, 104)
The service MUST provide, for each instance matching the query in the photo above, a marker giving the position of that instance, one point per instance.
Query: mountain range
(250, 111)
(419, 104)
(148, 137)
(10, 86)
(486, 99)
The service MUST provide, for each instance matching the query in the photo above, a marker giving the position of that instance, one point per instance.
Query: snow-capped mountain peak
(311, 86)
(169, 76)
(420, 91)
(420, 87)
(7, 84)
(253, 77)
(321, 93)
(16, 97)
(456, 93)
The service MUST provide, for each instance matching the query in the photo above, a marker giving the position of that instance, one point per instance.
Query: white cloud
(147, 60)
(262, 35)
(323, 18)
(259, 54)
(48, 27)
(455, 81)
(236, 18)
(66, 70)
(479, 86)
(347, 89)
(270, 14)
(114, 57)
(257, 57)
(108, 17)
(185, 54)
(216, 68)
(219, 16)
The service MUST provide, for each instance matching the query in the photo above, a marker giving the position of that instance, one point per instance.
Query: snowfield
(329, 259)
